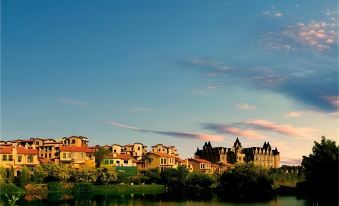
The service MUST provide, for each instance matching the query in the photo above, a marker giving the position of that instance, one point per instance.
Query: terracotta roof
(120, 156)
(44, 161)
(159, 154)
(5, 150)
(22, 150)
(200, 160)
(180, 160)
(75, 149)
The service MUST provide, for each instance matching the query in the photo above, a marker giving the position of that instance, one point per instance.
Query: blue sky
(171, 72)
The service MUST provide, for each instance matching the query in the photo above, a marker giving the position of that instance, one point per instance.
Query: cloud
(139, 109)
(273, 13)
(71, 101)
(186, 135)
(290, 161)
(248, 129)
(245, 106)
(293, 114)
(231, 129)
(116, 124)
(285, 129)
(316, 35)
(306, 82)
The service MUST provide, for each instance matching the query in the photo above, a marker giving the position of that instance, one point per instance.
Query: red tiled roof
(120, 156)
(44, 161)
(159, 154)
(200, 160)
(75, 149)
(5, 150)
(22, 150)
(180, 160)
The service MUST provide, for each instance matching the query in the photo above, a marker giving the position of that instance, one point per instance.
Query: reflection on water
(156, 200)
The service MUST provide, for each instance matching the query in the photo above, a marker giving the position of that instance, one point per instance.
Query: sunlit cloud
(245, 106)
(233, 130)
(185, 135)
(285, 129)
(70, 101)
(249, 129)
(316, 35)
(293, 114)
(290, 161)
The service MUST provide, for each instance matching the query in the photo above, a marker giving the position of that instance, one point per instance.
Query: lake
(151, 201)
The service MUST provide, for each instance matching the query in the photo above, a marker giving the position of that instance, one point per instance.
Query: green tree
(25, 176)
(321, 172)
(58, 172)
(100, 155)
(245, 180)
(84, 174)
(106, 175)
(39, 174)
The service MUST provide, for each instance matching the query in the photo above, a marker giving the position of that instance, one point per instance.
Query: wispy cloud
(290, 161)
(185, 135)
(272, 13)
(285, 129)
(249, 129)
(293, 114)
(304, 82)
(71, 101)
(139, 109)
(233, 130)
(245, 106)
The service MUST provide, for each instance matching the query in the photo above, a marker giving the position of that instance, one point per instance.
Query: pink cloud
(282, 129)
(333, 100)
(243, 133)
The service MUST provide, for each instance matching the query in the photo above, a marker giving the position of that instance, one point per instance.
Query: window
(82, 155)
(10, 157)
(4, 157)
(165, 161)
(45, 155)
(19, 158)
(159, 150)
(138, 148)
(126, 161)
(111, 162)
(73, 141)
(118, 162)
(115, 151)
(50, 155)
(30, 159)
(37, 143)
(64, 155)
(105, 162)
(69, 155)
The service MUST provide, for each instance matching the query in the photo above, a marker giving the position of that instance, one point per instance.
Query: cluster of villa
(75, 151)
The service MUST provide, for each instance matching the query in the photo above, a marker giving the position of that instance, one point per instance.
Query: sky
(172, 72)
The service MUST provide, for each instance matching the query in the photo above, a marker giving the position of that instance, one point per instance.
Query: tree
(25, 176)
(321, 172)
(106, 175)
(245, 181)
(100, 155)
(39, 174)
(58, 172)
(84, 174)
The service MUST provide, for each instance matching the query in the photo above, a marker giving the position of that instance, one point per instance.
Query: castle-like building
(264, 156)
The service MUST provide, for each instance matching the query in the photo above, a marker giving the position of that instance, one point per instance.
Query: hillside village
(76, 151)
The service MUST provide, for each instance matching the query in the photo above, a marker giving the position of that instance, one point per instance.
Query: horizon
(178, 73)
